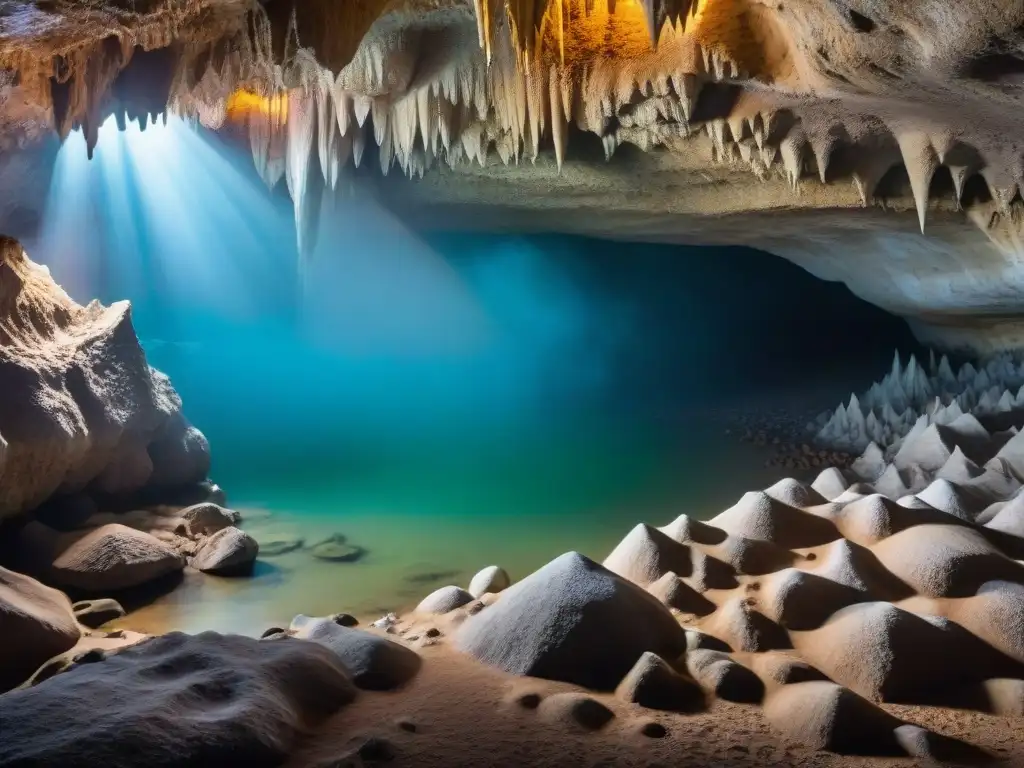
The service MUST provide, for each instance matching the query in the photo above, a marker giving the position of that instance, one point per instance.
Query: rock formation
(81, 407)
(910, 399)
(828, 133)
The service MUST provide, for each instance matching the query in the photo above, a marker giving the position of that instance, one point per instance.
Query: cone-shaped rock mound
(572, 620)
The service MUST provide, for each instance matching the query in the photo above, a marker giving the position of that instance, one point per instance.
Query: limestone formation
(177, 700)
(81, 407)
(828, 134)
(36, 623)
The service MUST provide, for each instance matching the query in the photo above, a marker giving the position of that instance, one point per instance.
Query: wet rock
(374, 662)
(95, 613)
(36, 624)
(491, 579)
(337, 549)
(228, 552)
(276, 546)
(178, 701)
(444, 600)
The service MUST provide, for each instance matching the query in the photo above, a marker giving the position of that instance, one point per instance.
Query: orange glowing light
(242, 104)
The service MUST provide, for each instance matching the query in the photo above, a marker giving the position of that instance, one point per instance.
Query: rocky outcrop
(177, 700)
(106, 559)
(36, 624)
(82, 409)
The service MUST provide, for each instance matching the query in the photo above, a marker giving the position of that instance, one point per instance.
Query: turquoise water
(437, 514)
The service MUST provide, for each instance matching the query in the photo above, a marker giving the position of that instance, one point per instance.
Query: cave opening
(425, 381)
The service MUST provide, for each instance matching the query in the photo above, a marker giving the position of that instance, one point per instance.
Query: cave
(510, 383)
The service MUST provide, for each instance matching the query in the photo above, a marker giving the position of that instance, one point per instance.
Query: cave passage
(439, 399)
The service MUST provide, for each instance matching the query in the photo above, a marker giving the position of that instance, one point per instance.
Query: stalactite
(302, 185)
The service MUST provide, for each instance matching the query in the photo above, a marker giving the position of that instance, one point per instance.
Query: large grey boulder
(36, 624)
(375, 663)
(111, 558)
(176, 701)
(228, 552)
(572, 620)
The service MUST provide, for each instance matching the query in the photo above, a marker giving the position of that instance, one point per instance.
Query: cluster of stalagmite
(912, 395)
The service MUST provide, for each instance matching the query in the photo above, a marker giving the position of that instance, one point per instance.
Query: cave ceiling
(875, 142)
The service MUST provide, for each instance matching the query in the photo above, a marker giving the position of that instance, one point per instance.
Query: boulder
(36, 624)
(230, 551)
(206, 519)
(823, 715)
(375, 663)
(652, 683)
(95, 613)
(111, 558)
(177, 701)
(491, 579)
(572, 620)
(444, 600)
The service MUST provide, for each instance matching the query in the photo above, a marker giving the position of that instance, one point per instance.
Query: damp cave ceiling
(871, 141)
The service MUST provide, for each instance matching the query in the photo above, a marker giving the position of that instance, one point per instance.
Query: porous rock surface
(572, 620)
(81, 407)
(177, 700)
(36, 623)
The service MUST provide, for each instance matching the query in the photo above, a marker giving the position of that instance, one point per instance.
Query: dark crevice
(861, 22)
(976, 191)
(942, 187)
(895, 183)
(992, 67)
